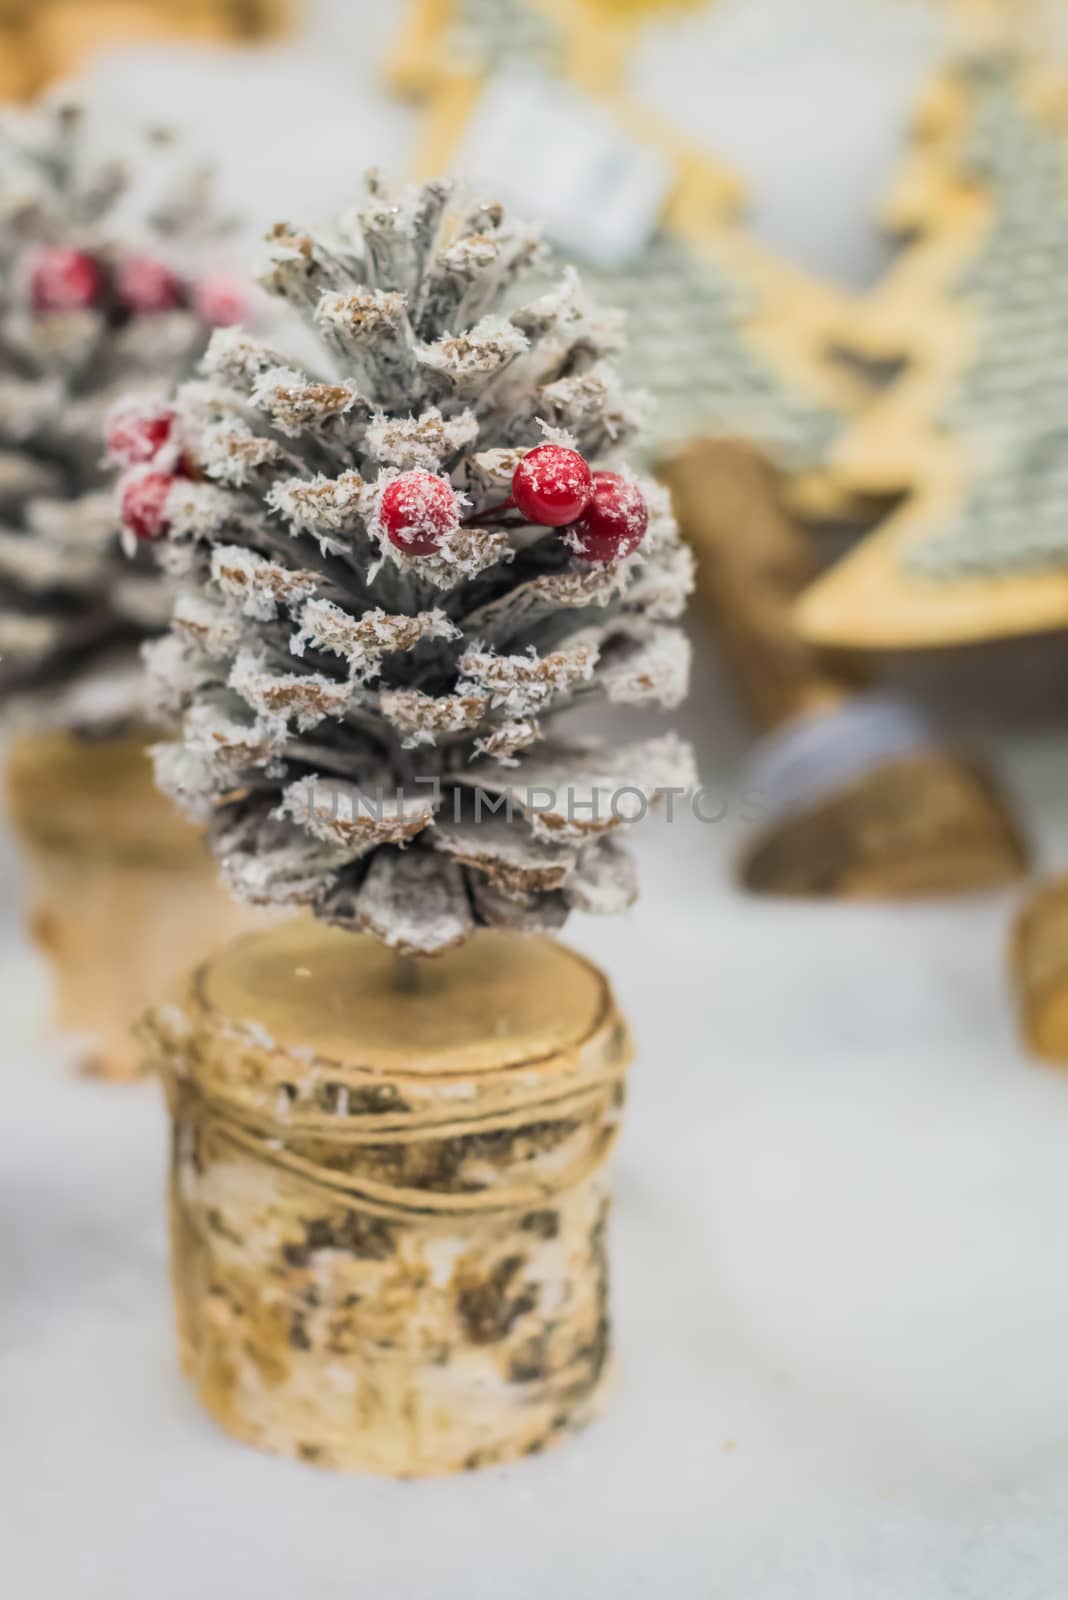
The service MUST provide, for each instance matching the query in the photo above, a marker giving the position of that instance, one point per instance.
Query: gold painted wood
(1039, 964)
(388, 1202)
(45, 40)
(753, 561)
(415, 63)
(870, 602)
(597, 39)
(900, 448)
(924, 825)
(123, 895)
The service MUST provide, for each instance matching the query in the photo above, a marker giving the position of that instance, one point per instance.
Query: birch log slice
(389, 1205)
(123, 893)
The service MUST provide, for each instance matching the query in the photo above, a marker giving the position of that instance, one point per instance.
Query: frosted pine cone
(373, 645)
(96, 299)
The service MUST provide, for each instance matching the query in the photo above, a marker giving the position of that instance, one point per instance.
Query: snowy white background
(841, 1238)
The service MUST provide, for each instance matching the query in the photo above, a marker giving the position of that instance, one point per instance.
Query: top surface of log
(308, 995)
(95, 796)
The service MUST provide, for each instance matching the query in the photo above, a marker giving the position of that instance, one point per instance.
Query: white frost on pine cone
(62, 569)
(371, 729)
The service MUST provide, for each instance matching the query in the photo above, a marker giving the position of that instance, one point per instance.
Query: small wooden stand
(124, 895)
(929, 823)
(388, 1199)
(1040, 970)
(920, 819)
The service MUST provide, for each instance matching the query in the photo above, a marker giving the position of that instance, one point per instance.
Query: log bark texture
(389, 1206)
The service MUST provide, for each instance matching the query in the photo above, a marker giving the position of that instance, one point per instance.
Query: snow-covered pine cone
(349, 710)
(96, 300)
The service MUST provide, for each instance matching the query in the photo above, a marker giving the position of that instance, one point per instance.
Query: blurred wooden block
(20, 70)
(752, 562)
(254, 19)
(927, 824)
(1039, 962)
(53, 38)
(68, 33)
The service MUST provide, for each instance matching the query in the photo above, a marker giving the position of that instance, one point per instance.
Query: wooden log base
(123, 894)
(1039, 963)
(929, 823)
(388, 1202)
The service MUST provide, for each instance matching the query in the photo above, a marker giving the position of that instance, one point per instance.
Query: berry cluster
(136, 440)
(602, 516)
(62, 280)
(71, 280)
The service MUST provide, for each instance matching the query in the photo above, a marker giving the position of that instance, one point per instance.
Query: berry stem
(490, 511)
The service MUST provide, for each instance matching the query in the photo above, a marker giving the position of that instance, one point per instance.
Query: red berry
(418, 512)
(145, 286)
(135, 437)
(65, 280)
(614, 522)
(552, 485)
(220, 302)
(144, 504)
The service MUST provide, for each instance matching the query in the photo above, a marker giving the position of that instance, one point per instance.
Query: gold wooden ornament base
(1039, 961)
(930, 823)
(388, 1198)
(123, 893)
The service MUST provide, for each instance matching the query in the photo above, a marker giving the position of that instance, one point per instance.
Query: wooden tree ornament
(388, 1195)
(969, 434)
(464, 40)
(99, 292)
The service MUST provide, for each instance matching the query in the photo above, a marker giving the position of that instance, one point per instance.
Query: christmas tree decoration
(419, 513)
(221, 301)
(614, 523)
(143, 505)
(366, 664)
(98, 257)
(448, 40)
(144, 286)
(136, 437)
(859, 797)
(968, 439)
(552, 485)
